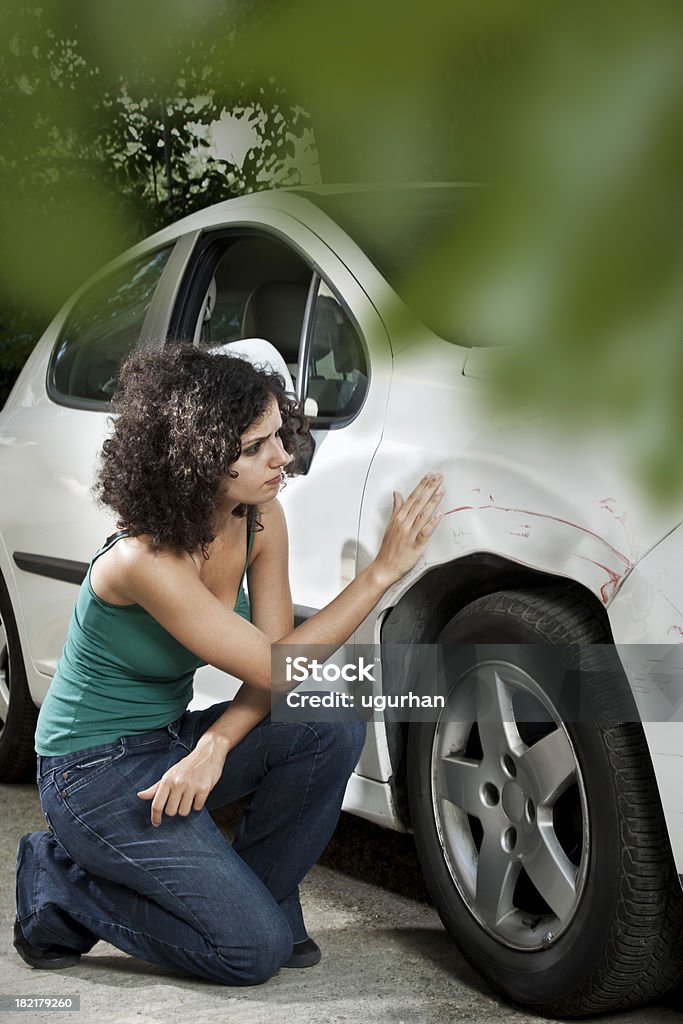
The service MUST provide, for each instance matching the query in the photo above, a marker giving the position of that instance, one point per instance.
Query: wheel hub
(513, 801)
(500, 791)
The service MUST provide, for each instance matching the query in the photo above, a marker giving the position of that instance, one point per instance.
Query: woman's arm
(186, 786)
(167, 585)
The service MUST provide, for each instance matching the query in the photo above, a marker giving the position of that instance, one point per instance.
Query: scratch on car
(608, 589)
(458, 532)
(524, 530)
(546, 515)
(608, 505)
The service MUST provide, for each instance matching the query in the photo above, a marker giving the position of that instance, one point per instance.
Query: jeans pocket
(92, 764)
(80, 773)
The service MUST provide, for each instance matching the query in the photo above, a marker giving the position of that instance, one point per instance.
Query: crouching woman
(127, 775)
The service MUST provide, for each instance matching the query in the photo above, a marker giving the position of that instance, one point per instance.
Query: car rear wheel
(18, 713)
(536, 815)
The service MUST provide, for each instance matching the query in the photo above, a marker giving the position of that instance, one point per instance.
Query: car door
(53, 427)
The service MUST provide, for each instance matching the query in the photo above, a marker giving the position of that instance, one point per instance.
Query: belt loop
(173, 730)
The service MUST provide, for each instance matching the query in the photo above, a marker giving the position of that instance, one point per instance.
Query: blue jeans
(180, 895)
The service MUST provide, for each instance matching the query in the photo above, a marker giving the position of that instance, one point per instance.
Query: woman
(127, 776)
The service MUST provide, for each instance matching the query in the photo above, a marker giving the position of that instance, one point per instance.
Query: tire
(541, 835)
(18, 713)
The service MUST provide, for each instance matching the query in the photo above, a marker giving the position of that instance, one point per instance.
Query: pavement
(386, 956)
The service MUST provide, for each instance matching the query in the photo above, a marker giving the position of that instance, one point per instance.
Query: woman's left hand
(185, 786)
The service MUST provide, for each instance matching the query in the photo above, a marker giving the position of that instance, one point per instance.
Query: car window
(337, 373)
(101, 329)
(258, 288)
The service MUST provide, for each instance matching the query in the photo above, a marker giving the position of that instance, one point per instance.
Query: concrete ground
(386, 957)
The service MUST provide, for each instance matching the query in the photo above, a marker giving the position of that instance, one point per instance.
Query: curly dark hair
(181, 411)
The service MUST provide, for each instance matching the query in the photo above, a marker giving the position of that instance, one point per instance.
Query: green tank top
(120, 672)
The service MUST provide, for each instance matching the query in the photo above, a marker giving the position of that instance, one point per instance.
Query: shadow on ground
(360, 850)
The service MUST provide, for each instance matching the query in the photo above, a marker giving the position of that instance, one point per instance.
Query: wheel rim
(510, 806)
(4, 676)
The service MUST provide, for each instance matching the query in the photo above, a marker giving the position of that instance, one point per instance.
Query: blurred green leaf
(570, 260)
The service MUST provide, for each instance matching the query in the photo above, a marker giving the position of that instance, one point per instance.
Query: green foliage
(571, 261)
(104, 142)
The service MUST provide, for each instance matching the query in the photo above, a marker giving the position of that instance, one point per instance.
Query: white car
(545, 797)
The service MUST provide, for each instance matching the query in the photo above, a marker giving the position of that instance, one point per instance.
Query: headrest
(261, 353)
(276, 311)
(332, 332)
(347, 349)
(325, 328)
(210, 300)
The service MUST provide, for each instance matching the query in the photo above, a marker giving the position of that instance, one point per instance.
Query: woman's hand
(185, 786)
(411, 525)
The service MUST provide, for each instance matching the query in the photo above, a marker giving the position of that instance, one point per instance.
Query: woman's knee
(345, 739)
(260, 956)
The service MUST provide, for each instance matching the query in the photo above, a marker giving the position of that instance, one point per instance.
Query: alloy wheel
(509, 805)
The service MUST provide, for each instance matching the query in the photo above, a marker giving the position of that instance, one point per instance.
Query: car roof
(289, 200)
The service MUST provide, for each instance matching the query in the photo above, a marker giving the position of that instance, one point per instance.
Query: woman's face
(260, 464)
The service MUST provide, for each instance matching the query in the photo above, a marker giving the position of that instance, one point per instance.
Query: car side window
(337, 370)
(254, 286)
(102, 328)
(258, 289)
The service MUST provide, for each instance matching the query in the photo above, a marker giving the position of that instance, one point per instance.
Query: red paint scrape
(608, 589)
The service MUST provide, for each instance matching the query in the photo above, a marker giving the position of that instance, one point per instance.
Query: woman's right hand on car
(166, 587)
(411, 525)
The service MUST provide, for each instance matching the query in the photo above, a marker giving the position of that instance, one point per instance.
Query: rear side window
(337, 371)
(101, 329)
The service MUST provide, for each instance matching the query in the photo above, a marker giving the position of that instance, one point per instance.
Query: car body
(544, 545)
